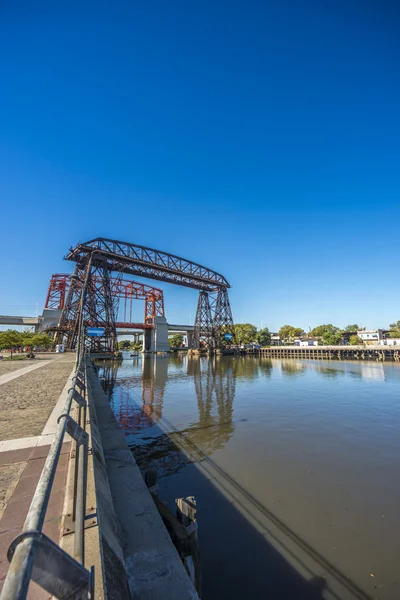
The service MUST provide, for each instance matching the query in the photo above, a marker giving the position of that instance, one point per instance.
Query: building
(391, 342)
(275, 340)
(373, 336)
(306, 341)
(346, 335)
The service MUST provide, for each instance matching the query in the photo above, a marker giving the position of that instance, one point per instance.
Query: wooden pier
(381, 353)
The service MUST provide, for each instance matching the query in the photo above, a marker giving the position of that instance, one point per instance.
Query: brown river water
(294, 466)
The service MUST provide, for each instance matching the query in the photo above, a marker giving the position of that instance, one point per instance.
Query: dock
(377, 353)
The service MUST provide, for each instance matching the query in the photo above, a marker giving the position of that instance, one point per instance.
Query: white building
(304, 342)
(392, 342)
(371, 336)
(275, 339)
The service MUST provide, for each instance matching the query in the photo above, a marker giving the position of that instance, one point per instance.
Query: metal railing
(34, 556)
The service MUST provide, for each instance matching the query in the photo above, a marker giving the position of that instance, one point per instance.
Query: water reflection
(361, 370)
(136, 392)
(292, 456)
(215, 386)
(292, 367)
(136, 389)
(138, 396)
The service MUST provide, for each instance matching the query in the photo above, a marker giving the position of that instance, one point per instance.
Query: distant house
(373, 336)
(391, 342)
(275, 339)
(346, 335)
(306, 341)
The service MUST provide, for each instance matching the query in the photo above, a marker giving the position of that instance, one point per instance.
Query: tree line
(329, 334)
(129, 345)
(175, 341)
(246, 333)
(16, 340)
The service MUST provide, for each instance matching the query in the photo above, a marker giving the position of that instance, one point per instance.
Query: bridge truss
(91, 296)
(66, 290)
(125, 290)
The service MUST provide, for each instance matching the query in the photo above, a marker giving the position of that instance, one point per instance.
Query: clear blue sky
(261, 139)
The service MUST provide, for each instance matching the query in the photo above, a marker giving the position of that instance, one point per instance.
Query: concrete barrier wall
(136, 546)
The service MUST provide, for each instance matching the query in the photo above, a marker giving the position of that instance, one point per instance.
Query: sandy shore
(26, 402)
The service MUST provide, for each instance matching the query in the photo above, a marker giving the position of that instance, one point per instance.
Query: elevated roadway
(154, 340)
(49, 318)
(20, 321)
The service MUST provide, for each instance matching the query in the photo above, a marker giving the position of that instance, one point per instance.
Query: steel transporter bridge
(92, 294)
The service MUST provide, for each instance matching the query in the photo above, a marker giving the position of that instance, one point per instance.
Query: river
(294, 466)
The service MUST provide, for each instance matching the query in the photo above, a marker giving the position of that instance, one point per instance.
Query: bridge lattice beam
(137, 260)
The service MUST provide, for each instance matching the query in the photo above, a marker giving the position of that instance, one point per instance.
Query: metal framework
(213, 327)
(146, 262)
(123, 289)
(59, 283)
(203, 334)
(93, 295)
(100, 308)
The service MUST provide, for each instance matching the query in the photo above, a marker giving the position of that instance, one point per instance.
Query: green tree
(124, 345)
(355, 340)
(264, 337)
(396, 330)
(288, 333)
(352, 328)
(245, 333)
(27, 337)
(176, 340)
(330, 338)
(41, 340)
(323, 329)
(11, 339)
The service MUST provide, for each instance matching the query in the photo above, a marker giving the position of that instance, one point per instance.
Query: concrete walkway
(10, 376)
(21, 464)
(49, 430)
(30, 394)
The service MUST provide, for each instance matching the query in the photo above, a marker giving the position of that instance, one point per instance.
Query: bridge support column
(189, 338)
(161, 334)
(203, 326)
(50, 318)
(148, 340)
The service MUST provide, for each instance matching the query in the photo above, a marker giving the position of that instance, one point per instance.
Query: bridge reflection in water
(136, 391)
(263, 491)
